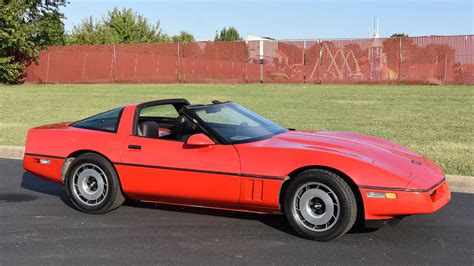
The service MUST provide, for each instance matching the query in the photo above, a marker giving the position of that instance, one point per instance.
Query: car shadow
(275, 221)
(34, 183)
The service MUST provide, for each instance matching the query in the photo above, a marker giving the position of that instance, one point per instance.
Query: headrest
(148, 129)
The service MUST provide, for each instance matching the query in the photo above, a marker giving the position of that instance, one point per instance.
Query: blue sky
(297, 19)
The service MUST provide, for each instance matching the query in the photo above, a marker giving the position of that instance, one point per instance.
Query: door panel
(173, 171)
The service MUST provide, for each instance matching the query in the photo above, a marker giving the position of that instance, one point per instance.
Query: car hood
(381, 153)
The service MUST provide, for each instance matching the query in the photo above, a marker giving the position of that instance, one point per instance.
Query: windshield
(236, 124)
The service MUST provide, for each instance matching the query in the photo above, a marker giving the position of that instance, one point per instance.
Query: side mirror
(199, 140)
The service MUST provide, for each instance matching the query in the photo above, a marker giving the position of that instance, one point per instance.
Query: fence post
(135, 68)
(213, 46)
(178, 65)
(114, 65)
(261, 60)
(321, 50)
(304, 62)
(445, 61)
(400, 61)
(59, 67)
(83, 67)
(47, 66)
(183, 75)
(246, 54)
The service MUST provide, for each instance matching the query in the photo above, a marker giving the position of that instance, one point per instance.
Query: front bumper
(407, 202)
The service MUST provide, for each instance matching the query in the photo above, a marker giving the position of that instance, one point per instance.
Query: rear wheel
(320, 205)
(93, 185)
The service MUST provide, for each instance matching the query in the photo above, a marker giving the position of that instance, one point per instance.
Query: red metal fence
(421, 60)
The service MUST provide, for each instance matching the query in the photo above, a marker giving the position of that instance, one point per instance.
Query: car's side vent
(252, 189)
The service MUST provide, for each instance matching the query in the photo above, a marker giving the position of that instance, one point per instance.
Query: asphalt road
(38, 226)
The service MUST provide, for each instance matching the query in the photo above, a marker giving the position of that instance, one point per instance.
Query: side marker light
(381, 195)
(42, 161)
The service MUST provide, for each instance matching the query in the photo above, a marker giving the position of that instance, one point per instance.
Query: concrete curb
(11, 152)
(457, 183)
(463, 184)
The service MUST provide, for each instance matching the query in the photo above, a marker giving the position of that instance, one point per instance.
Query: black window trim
(117, 123)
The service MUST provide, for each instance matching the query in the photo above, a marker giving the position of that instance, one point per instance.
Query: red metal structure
(414, 60)
(224, 156)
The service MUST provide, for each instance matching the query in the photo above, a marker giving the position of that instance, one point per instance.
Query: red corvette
(224, 156)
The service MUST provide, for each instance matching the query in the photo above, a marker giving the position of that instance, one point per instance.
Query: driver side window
(164, 122)
(157, 121)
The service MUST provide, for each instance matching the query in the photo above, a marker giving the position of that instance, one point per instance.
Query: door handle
(134, 147)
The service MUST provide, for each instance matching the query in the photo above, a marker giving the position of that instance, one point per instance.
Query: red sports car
(222, 155)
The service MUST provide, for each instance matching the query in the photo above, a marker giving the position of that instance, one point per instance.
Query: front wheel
(93, 185)
(320, 205)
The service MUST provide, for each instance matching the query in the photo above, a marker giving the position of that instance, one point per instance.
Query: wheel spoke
(90, 184)
(316, 206)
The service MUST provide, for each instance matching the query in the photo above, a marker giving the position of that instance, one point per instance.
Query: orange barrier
(418, 60)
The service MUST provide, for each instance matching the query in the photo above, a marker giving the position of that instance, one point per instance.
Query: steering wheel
(240, 127)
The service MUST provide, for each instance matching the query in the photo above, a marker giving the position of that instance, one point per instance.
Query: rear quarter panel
(57, 143)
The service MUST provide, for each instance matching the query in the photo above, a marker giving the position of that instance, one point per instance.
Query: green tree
(398, 35)
(15, 47)
(52, 29)
(118, 26)
(24, 31)
(183, 36)
(90, 32)
(228, 34)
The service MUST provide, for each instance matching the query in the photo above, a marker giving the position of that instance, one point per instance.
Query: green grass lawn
(436, 121)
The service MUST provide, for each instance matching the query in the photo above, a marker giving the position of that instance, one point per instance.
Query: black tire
(318, 192)
(91, 171)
